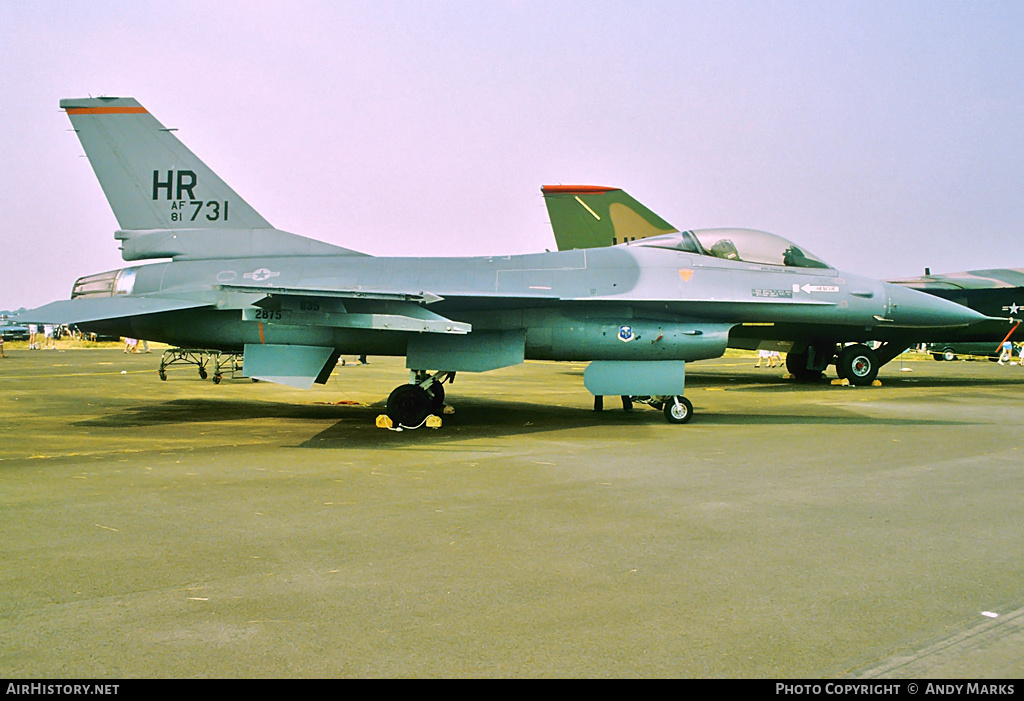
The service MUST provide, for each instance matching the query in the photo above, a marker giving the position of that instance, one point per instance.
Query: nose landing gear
(678, 409)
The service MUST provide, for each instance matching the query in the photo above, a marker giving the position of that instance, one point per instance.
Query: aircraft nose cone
(913, 309)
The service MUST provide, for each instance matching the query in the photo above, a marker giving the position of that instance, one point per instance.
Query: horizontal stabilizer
(78, 311)
(199, 244)
(295, 366)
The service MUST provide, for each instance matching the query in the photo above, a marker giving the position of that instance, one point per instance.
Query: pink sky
(884, 136)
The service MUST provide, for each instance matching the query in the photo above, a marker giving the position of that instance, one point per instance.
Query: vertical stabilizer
(150, 178)
(589, 216)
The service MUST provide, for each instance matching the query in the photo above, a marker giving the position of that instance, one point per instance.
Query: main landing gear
(409, 405)
(856, 362)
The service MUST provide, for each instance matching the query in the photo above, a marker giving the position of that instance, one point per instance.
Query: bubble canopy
(747, 245)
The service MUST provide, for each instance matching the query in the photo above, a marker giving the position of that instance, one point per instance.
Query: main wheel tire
(858, 364)
(949, 355)
(678, 410)
(408, 405)
(796, 363)
(436, 393)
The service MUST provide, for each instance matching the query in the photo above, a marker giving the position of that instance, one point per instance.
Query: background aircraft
(994, 293)
(293, 305)
(592, 216)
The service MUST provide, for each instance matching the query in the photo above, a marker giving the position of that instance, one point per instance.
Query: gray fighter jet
(230, 281)
(585, 216)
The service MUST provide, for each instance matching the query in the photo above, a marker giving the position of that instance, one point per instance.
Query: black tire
(949, 354)
(938, 356)
(202, 373)
(217, 379)
(408, 405)
(436, 393)
(858, 364)
(796, 363)
(678, 412)
(163, 376)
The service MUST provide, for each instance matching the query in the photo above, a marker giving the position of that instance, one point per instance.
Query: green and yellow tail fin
(590, 216)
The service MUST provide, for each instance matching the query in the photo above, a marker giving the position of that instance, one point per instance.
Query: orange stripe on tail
(576, 189)
(106, 110)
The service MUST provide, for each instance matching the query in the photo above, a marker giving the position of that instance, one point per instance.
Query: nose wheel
(678, 410)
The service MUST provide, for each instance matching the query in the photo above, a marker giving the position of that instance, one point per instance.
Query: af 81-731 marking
(217, 209)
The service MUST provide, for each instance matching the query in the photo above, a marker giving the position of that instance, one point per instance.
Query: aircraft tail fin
(150, 178)
(168, 203)
(589, 216)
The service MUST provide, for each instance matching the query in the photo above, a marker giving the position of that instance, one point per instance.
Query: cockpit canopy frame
(747, 245)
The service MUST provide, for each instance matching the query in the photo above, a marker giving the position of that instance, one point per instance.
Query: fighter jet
(227, 280)
(996, 293)
(591, 216)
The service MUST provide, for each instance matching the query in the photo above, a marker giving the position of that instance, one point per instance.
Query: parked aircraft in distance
(586, 216)
(235, 283)
(998, 292)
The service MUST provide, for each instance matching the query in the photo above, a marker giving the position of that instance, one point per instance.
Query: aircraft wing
(84, 309)
(1006, 278)
(360, 308)
(381, 310)
(396, 295)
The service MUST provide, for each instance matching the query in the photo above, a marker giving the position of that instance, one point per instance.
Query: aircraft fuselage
(571, 305)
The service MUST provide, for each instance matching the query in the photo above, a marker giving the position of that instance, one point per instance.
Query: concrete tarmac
(186, 529)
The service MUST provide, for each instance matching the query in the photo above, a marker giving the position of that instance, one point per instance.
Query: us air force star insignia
(626, 333)
(260, 274)
(1013, 308)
